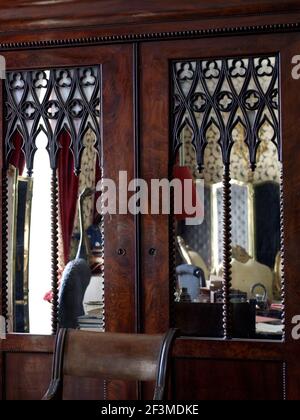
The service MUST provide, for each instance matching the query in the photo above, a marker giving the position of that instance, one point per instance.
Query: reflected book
(93, 320)
(91, 323)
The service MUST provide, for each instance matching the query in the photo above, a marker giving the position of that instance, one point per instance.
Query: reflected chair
(111, 356)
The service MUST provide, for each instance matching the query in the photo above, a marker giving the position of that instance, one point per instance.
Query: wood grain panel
(83, 389)
(118, 155)
(227, 380)
(28, 343)
(154, 165)
(237, 350)
(35, 15)
(27, 376)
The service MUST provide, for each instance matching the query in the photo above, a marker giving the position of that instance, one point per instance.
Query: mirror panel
(52, 149)
(226, 132)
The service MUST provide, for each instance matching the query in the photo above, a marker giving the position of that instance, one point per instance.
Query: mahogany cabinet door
(204, 368)
(116, 128)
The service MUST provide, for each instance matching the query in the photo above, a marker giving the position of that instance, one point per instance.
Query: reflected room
(55, 233)
(227, 139)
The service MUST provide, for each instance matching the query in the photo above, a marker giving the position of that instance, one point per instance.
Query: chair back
(111, 356)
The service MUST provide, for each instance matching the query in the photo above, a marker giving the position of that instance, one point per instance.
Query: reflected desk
(205, 320)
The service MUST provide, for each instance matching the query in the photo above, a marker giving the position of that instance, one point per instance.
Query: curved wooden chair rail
(121, 356)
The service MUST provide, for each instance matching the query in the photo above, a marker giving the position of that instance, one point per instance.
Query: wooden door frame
(155, 137)
(118, 149)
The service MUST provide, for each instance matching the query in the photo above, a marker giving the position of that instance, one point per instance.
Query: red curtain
(67, 195)
(17, 158)
(68, 192)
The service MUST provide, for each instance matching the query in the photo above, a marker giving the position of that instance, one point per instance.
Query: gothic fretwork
(224, 94)
(52, 101)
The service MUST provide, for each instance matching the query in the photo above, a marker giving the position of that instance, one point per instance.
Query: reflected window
(40, 241)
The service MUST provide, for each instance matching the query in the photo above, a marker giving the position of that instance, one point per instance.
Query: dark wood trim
(27, 343)
(231, 350)
(186, 347)
(136, 124)
(155, 165)
(153, 36)
(34, 16)
(118, 152)
(137, 217)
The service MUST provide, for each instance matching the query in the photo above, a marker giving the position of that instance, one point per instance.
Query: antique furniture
(130, 357)
(143, 87)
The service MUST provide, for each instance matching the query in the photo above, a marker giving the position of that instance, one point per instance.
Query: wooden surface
(227, 380)
(83, 389)
(27, 343)
(197, 348)
(118, 144)
(118, 155)
(112, 355)
(154, 165)
(115, 26)
(155, 62)
(24, 15)
(26, 375)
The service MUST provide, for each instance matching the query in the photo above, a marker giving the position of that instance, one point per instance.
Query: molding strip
(153, 36)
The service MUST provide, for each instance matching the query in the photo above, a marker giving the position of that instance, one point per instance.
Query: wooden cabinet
(137, 58)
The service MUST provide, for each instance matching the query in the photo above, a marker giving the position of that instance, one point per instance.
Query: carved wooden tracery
(225, 93)
(52, 101)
